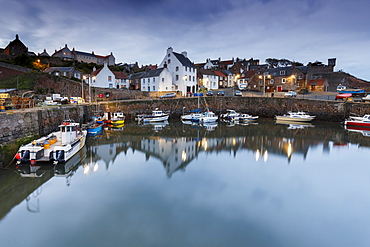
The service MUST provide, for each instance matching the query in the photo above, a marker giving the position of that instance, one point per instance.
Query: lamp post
(88, 79)
(185, 78)
(82, 88)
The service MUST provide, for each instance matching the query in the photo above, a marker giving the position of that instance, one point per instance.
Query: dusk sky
(141, 30)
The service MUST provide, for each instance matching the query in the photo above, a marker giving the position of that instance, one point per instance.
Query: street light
(185, 78)
(88, 79)
(82, 87)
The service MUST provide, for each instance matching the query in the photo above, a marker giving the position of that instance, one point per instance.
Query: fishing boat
(118, 118)
(298, 116)
(57, 147)
(245, 117)
(156, 116)
(344, 89)
(208, 117)
(229, 115)
(193, 116)
(358, 121)
(94, 128)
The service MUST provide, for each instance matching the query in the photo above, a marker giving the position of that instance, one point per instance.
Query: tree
(272, 62)
(285, 62)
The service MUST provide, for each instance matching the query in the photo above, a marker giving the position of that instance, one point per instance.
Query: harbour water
(176, 184)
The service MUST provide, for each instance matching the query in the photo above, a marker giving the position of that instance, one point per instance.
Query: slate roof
(83, 53)
(184, 60)
(276, 71)
(61, 69)
(152, 73)
(136, 75)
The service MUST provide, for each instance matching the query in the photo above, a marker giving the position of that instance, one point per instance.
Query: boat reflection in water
(294, 124)
(156, 126)
(60, 170)
(365, 131)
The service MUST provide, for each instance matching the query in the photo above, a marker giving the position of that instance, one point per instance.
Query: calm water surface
(181, 185)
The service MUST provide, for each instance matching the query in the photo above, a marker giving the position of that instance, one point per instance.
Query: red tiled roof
(94, 73)
(120, 75)
(219, 73)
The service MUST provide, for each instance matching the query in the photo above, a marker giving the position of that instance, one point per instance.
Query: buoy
(18, 156)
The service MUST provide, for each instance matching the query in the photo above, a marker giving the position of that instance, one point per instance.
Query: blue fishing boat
(94, 129)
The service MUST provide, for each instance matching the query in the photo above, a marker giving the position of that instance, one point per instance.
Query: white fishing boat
(194, 116)
(299, 116)
(229, 115)
(208, 117)
(245, 117)
(57, 147)
(156, 116)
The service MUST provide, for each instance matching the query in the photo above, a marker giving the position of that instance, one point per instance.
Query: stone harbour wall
(42, 121)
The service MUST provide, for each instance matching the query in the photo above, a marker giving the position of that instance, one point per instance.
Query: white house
(121, 80)
(183, 71)
(103, 77)
(209, 79)
(157, 80)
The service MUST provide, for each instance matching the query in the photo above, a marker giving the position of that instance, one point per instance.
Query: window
(154, 79)
(272, 81)
(186, 68)
(260, 82)
(169, 61)
(300, 77)
(283, 80)
(282, 72)
(110, 85)
(109, 78)
(162, 79)
(148, 80)
(177, 77)
(177, 68)
(153, 88)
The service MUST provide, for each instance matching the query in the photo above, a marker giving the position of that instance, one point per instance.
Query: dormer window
(282, 72)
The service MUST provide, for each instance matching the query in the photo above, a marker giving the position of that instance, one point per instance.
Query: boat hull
(118, 121)
(96, 129)
(360, 124)
(293, 119)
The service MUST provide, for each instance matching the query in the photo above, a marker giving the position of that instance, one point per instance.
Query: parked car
(209, 93)
(238, 93)
(221, 93)
(198, 94)
(168, 95)
(290, 94)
